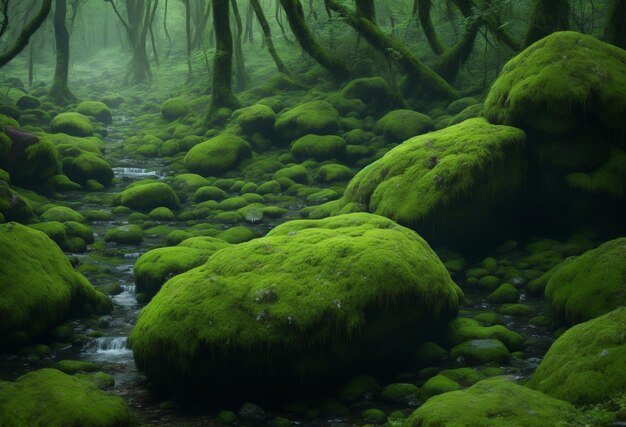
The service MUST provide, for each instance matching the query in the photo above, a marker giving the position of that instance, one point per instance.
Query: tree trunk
(422, 7)
(222, 63)
(240, 72)
(248, 34)
(547, 17)
(615, 30)
(59, 91)
(366, 9)
(267, 34)
(420, 76)
(295, 16)
(26, 33)
(188, 33)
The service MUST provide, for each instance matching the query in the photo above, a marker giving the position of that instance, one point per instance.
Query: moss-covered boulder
(147, 195)
(51, 398)
(319, 147)
(590, 285)
(333, 173)
(74, 124)
(125, 234)
(88, 166)
(400, 125)
(306, 304)
(29, 159)
(317, 117)
(156, 266)
(217, 155)
(13, 206)
(494, 402)
(256, 118)
(38, 286)
(585, 365)
(373, 91)
(96, 109)
(174, 108)
(445, 184)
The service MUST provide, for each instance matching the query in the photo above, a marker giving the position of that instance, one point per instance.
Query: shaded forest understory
(246, 212)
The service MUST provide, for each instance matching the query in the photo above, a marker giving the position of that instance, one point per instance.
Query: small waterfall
(136, 173)
(112, 345)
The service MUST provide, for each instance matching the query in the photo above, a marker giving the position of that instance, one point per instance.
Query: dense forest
(312, 212)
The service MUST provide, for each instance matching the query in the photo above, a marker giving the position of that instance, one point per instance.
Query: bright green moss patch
(174, 108)
(318, 147)
(493, 402)
(560, 83)
(155, 267)
(147, 195)
(505, 293)
(87, 166)
(437, 385)
(52, 398)
(75, 366)
(271, 314)
(586, 364)
(590, 285)
(400, 125)
(444, 177)
(481, 351)
(74, 124)
(296, 173)
(96, 109)
(217, 155)
(464, 329)
(62, 214)
(126, 234)
(317, 117)
(38, 286)
(256, 118)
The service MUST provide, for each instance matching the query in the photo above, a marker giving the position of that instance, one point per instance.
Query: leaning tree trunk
(26, 33)
(615, 30)
(267, 35)
(223, 96)
(547, 17)
(420, 76)
(295, 16)
(59, 91)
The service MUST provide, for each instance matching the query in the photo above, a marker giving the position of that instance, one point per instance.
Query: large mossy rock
(175, 108)
(496, 402)
(588, 286)
(96, 109)
(156, 266)
(310, 303)
(38, 286)
(74, 124)
(217, 155)
(319, 147)
(316, 117)
(586, 364)
(400, 125)
(375, 92)
(445, 184)
(147, 195)
(49, 397)
(30, 160)
(568, 92)
(255, 118)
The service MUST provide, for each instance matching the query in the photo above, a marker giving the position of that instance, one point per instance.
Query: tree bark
(615, 30)
(223, 96)
(547, 17)
(59, 91)
(420, 76)
(295, 16)
(26, 33)
(267, 35)
(188, 34)
(240, 69)
(422, 7)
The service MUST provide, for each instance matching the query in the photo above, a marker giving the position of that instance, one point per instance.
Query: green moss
(429, 353)
(609, 178)
(96, 109)
(233, 203)
(373, 415)
(289, 294)
(437, 385)
(434, 180)
(74, 124)
(53, 229)
(126, 234)
(481, 351)
(161, 214)
(465, 376)
(464, 329)
(493, 402)
(237, 234)
(399, 392)
(517, 310)
(357, 388)
(400, 125)
(86, 166)
(188, 182)
(75, 366)
(488, 318)
(156, 266)
(62, 214)
(32, 161)
(52, 398)
(256, 118)
(174, 108)
(76, 229)
(318, 147)
(296, 173)
(38, 286)
(322, 196)
(217, 155)
(506, 293)
(373, 91)
(559, 84)
(588, 286)
(147, 195)
(113, 100)
(586, 364)
(317, 117)
(269, 187)
(100, 380)
(488, 283)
